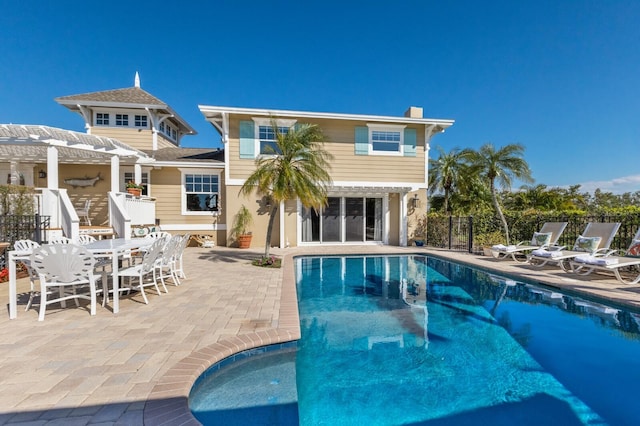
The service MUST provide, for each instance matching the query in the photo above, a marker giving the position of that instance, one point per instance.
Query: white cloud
(616, 186)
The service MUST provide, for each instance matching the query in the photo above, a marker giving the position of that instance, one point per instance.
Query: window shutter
(410, 138)
(362, 140)
(247, 140)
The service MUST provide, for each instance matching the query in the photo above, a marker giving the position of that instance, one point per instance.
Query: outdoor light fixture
(415, 202)
(42, 174)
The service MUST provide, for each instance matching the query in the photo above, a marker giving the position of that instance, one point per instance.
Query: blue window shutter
(247, 140)
(362, 140)
(410, 138)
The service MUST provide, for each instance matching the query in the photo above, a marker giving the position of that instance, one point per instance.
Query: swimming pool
(411, 339)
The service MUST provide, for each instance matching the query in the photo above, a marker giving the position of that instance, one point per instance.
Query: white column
(403, 220)
(137, 173)
(387, 219)
(115, 173)
(52, 167)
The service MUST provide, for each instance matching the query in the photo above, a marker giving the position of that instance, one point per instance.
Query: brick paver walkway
(137, 367)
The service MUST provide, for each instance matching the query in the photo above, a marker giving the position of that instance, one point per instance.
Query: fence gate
(452, 233)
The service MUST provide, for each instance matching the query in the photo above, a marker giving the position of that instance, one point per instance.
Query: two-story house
(379, 174)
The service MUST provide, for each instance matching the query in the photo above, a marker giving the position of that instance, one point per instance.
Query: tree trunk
(272, 217)
(496, 205)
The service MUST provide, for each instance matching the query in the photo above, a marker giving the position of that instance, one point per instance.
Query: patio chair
(84, 239)
(60, 240)
(143, 270)
(27, 246)
(179, 270)
(83, 212)
(64, 265)
(165, 264)
(624, 265)
(594, 240)
(547, 237)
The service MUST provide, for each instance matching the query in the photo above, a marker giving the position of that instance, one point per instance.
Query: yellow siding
(135, 138)
(346, 166)
(97, 193)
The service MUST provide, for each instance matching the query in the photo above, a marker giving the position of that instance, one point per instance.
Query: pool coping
(168, 402)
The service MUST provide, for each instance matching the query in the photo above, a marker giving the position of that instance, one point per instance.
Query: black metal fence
(14, 227)
(457, 233)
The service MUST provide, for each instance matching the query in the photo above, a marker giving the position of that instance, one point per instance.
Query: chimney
(413, 112)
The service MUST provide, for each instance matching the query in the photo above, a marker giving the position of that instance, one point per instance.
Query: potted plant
(134, 188)
(240, 229)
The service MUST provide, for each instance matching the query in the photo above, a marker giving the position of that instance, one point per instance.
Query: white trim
(266, 122)
(183, 193)
(387, 128)
(402, 241)
(204, 109)
(193, 227)
(357, 186)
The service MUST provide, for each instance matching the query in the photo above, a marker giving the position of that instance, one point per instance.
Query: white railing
(57, 204)
(142, 210)
(126, 210)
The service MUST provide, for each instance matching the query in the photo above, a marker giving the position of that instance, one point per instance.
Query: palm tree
(299, 168)
(499, 167)
(447, 172)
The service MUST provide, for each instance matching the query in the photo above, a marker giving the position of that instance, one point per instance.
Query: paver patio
(136, 367)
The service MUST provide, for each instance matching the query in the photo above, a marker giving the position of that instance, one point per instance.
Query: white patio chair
(27, 246)
(60, 240)
(143, 270)
(84, 212)
(84, 239)
(165, 264)
(64, 265)
(178, 269)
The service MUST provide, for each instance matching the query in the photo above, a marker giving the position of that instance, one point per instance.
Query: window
(130, 176)
(162, 127)
(385, 141)
(102, 119)
(267, 139)
(122, 119)
(201, 192)
(140, 121)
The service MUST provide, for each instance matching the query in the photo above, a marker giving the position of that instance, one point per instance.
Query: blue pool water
(414, 340)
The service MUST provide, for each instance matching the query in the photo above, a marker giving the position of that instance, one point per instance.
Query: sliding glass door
(343, 219)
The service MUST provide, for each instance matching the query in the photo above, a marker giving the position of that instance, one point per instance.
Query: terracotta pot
(135, 191)
(244, 241)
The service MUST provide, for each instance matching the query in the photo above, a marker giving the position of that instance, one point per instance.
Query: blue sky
(559, 77)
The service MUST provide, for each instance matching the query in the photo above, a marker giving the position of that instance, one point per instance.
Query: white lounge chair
(547, 237)
(625, 266)
(594, 240)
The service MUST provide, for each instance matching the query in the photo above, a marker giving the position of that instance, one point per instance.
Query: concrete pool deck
(137, 367)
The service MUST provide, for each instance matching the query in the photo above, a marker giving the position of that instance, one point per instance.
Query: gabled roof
(25, 142)
(130, 97)
(189, 155)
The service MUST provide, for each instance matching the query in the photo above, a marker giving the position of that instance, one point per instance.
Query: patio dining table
(114, 248)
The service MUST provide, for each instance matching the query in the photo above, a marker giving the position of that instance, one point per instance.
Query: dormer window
(122, 120)
(140, 121)
(102, 119)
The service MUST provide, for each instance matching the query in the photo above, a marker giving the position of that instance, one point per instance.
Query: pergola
(53, 146)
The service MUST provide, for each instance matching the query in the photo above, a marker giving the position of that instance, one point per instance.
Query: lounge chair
(625, 266)
(548, 236)
(594, 240)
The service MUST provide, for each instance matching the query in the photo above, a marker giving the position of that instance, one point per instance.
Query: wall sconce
(415, 202)
(42, 174)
